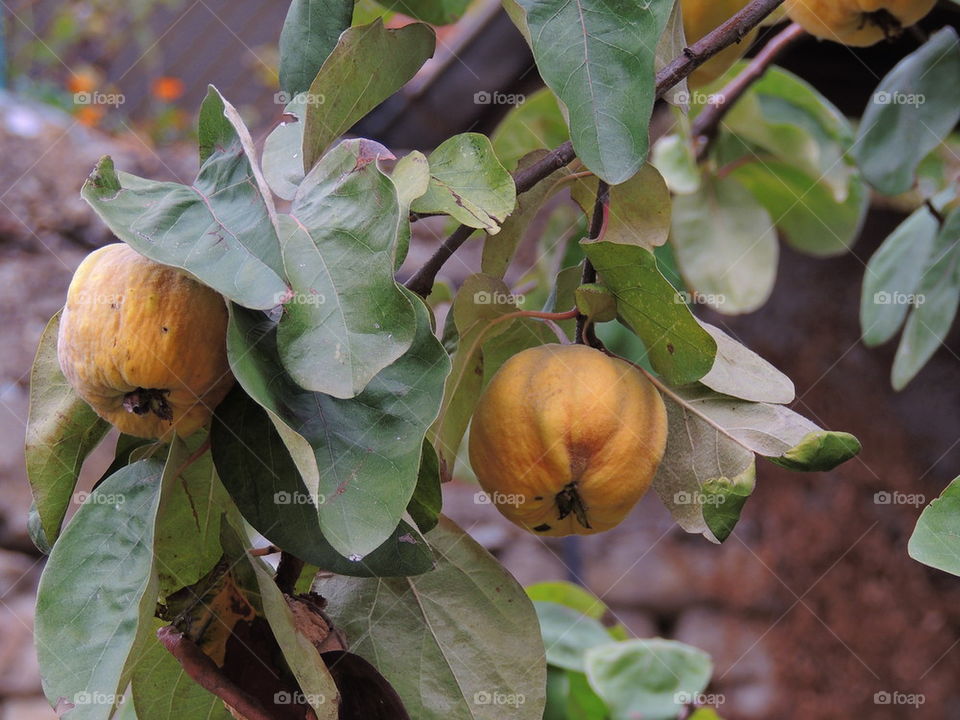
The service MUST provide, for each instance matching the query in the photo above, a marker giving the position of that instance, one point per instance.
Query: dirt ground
(809, 610)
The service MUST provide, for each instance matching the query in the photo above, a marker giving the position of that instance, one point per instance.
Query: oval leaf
(310, 32)
(936, 538)
(61, 431)
(347, 318)
(478, 647)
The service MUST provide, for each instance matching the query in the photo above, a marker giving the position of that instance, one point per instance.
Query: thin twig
(584, 332)
(708, 121)
(207, 675)
(732, 31)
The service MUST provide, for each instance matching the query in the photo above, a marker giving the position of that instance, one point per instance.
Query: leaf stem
(584, 334)
(692, 57)
(208, 676)
(708, 121)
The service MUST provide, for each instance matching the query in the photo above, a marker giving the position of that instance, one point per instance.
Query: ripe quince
(144, 344)
(565, 439)
(702, 16)
(859, 23)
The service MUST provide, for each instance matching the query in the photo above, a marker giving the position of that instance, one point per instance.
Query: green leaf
(535, 124)
(499, 249)
(577, 598)
(599, 61)
(347, 318)
(741, 373)
(368, 64)
(726, 246)
(570, 697)
(187, 541)
(647, 678)
(98, 592)
(480, 301)
(804, 209)
(469, 183)
(310, 32)
(427, 500)
(913, 109)
(220, 229)
(568, 634)
(893, 275)
(596, 302)
(411, 178)
(266, 486)
(773, 431)
(937, 300)
(301, 656)
(162, 690)
(435, 12)
(478, 649)
(936, 538)
(365, 451)
(639, 208)
(786, 118)
(282, 158)
(61, 431)
(699, 461)
(674, 157)
(679, 349)
(723, 502)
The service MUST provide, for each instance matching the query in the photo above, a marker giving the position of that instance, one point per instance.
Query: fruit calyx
(886, 21)
(569, 501)
(143, 400)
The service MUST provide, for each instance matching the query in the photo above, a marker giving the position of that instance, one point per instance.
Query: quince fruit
(144, 344)
(565, 439)
(858, 23)
(702, 16)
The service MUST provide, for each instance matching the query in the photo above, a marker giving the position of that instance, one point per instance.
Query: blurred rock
(27, 709)
(19, 670)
